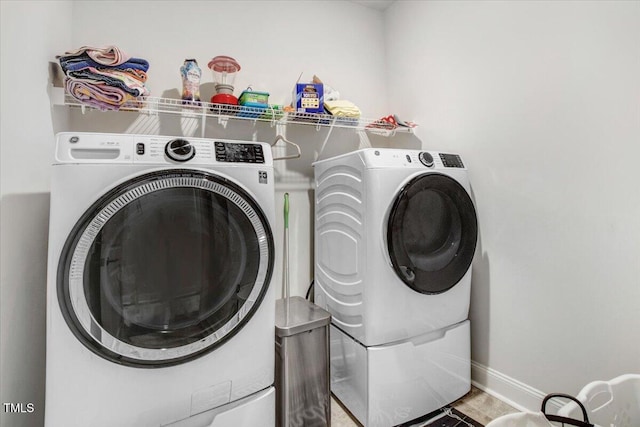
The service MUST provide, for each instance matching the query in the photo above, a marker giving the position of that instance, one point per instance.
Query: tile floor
(477, 404)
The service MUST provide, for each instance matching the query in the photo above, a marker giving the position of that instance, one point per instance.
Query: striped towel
(109, 55)
(98, 94)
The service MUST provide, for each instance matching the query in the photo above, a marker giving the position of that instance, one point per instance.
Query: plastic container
(274, 112)
(224, 69)
(251, 111)
(614, 403)
(254, 99)
(191, 73)
(253, 104)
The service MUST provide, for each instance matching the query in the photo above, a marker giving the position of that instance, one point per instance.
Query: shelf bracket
(326, 139)
(364, 142)
(203, 121)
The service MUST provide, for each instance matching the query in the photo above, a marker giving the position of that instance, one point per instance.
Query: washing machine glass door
(165, 268)
(432, 233)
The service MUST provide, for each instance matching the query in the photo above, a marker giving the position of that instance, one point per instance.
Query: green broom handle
(286, 210)
(287, 290)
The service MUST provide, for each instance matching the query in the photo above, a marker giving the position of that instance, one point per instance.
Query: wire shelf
(199, 109)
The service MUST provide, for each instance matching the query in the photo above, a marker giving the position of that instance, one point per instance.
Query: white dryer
(160, 309)
(395, 235)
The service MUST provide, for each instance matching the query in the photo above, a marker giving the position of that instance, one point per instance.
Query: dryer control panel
(451, 160)
(412, 159)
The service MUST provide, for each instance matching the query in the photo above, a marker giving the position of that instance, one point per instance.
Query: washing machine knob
(179, 150)
(426, 159)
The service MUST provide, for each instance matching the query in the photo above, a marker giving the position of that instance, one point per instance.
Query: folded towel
(342, 108)
(104, 78)
(128, 75)
(74, 63)
(109, 55)
(99, 95)
(120, 80)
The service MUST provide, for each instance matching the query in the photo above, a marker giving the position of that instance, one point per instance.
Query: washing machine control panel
(178, 149)
(162, 149)
(85, 147)
(239, 152)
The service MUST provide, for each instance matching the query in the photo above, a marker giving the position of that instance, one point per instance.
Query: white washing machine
(160, 309)
(395, 235)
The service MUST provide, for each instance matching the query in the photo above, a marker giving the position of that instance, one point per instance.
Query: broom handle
(287, 290)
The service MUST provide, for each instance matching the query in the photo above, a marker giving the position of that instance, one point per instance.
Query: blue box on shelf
(308, 98)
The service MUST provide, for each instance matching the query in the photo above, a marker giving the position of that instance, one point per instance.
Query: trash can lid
(303, 316)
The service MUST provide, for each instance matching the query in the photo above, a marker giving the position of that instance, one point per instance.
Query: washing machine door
(165, 268)
(432, 233)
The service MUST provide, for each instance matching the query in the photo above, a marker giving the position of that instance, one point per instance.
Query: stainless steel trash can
(303, 396)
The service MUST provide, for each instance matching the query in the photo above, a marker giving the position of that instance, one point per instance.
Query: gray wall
(542, 99)
(32, 33)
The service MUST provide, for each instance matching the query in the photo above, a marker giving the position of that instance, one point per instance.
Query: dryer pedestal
(395, 383)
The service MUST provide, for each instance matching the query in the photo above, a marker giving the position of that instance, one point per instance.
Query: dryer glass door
(165, 268)
(432, 233)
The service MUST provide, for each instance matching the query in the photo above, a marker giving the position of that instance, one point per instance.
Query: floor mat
(445, 417)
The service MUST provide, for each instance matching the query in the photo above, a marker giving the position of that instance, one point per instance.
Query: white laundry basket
(614, 403)
(543, 418)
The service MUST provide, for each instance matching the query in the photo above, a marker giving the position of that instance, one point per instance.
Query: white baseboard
(511, 391)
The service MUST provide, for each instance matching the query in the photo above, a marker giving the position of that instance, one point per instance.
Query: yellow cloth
(342, 108)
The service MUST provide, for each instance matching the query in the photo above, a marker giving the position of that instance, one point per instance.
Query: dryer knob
(179, 150)
(426, 159)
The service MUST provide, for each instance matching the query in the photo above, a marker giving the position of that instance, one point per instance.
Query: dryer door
(432, 233)
(165, 268)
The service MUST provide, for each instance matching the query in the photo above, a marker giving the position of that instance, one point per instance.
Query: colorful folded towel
(122, 81)
(99, 95)
(74, 63)
(105, 78)
(109, 55)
